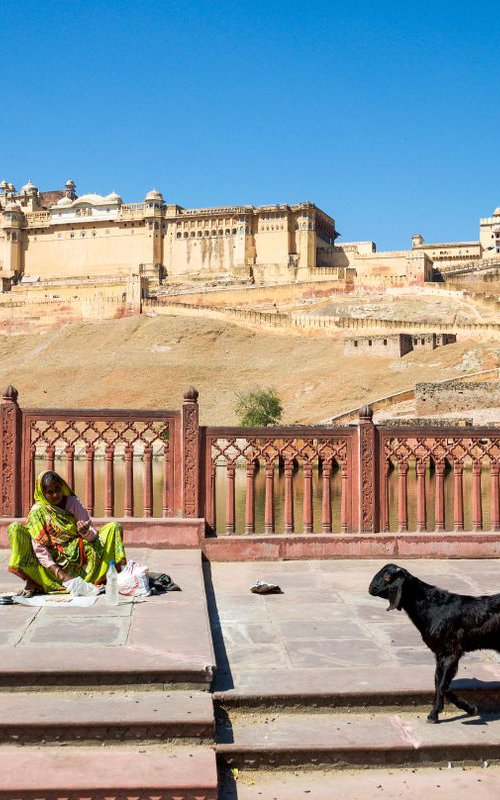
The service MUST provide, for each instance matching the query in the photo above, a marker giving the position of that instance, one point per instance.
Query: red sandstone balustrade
(415, 451)
(66, 434)
(281, 457)
(344, 473)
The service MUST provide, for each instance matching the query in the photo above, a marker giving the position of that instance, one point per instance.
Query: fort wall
(434, 398)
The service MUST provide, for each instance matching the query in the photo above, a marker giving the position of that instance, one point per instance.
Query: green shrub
(258, 406)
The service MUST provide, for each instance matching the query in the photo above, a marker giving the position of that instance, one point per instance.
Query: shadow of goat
(450, 625)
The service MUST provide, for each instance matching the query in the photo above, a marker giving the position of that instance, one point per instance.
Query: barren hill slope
(147, 362)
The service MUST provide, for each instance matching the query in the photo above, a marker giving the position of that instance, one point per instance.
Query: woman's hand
(62, 575)
(83, 526)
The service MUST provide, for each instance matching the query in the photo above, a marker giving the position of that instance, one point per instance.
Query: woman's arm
(82, 516)
(48, 562)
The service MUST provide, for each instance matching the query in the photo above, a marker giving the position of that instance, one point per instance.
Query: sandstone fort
(54, 235)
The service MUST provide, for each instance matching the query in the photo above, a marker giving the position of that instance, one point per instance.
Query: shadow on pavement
(223, 678)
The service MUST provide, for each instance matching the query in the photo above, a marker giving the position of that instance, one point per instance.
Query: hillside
(145, 362)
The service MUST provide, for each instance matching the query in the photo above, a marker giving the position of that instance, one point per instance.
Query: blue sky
(384, 114)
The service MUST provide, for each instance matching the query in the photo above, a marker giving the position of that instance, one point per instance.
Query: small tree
(258, 406)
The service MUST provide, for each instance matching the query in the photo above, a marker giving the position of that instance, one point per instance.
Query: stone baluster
(326, 498)
(288, 516)
(384, 500)
(494, 497)
(128, 503)
(458, 497)
(439, 496)
(32, 475)
(477, 508)
(109, 482)
(212, 500)
(421, 507)
(70, 465)
(250, 499)
(165, 501)
(89, 479)
(307, 513)
(230, 500)
(50, 457)
(269, 500)
(402, 496)
(147, 496)
(344, 498)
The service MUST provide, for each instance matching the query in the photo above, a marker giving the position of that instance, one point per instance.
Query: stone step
(343, 739)
(105, 716)
(357, 687)
(411, 784)
(101, 666)
(107, 773)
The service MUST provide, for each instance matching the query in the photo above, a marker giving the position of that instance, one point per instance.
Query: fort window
(179, 235)
(369, 342)
(385, 342)
(422, 341)
(234, 231)
(193, 234)
(355, 343)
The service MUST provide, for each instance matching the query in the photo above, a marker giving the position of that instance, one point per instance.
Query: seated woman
(58, 541)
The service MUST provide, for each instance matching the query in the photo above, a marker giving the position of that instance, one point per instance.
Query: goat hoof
(472, 711)
(432, 720)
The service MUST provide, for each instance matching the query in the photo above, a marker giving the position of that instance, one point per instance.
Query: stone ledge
(481, 544)
(156, 532)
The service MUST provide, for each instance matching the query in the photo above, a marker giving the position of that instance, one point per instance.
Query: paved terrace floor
(323, 637)
(165, 637)
(325, 633)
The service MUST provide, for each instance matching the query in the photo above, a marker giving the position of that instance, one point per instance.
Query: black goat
(450, 625)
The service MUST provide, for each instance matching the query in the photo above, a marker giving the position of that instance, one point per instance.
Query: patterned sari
(56, 530)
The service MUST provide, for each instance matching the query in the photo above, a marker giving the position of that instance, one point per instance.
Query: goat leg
(446, 669)
(459, 702)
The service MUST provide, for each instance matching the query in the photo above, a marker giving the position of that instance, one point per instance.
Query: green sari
(56, 530)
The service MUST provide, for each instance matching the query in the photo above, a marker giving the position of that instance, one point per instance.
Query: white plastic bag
(80, 588)
(133, 580)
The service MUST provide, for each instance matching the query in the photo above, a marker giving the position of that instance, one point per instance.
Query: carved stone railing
(270, 480)
(432, 456)
(292, 454)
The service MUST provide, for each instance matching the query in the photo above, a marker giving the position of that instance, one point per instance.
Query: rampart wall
(254, 295)
(435, 398)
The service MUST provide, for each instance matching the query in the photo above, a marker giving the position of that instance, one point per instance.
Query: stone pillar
(367, 471)
(190, 454)
(10, 446)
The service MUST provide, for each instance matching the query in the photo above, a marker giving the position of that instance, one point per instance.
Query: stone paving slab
(402, 784)
(109, 715)
(326, 633)
(166, 637)
(357, 739)
(99, 773)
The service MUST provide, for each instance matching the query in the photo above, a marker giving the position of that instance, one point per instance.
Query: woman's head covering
(39, 496)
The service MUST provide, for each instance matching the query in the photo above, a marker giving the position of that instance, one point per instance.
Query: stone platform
(319, 692)
(109, 702)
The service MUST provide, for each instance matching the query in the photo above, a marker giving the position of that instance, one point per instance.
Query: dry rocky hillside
(147, 362)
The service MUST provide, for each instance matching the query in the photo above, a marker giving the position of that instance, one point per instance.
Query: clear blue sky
(385, 114)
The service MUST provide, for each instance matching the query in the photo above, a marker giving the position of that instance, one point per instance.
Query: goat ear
(395, 593)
